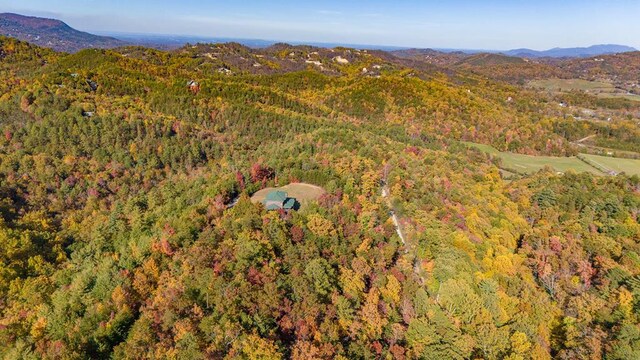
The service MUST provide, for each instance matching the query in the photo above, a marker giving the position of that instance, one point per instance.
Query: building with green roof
(279, 200)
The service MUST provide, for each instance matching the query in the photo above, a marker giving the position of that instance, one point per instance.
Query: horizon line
(339, 44)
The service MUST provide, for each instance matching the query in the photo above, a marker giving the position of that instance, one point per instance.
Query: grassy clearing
(527, 164)
(598, 88)
(572, 84)
(302, 192)
(530, 164)
(632, 97)
(619, 165)
(605, 151)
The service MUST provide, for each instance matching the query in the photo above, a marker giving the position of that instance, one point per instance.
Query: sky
(459, 24)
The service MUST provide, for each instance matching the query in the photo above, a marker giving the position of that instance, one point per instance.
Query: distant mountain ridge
(59, 36)
(577, 52)
(52, 33)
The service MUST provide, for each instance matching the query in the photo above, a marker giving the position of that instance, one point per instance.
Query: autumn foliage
(130, 233)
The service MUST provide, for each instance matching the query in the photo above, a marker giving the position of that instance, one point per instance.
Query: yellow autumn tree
(254, 347)
(373, 321)
(391, 291)
(321, 226)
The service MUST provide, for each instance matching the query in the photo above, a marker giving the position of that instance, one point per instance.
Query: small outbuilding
(194, 86)
(279, 200)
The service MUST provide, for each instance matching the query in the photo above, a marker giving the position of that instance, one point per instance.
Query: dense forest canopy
(121, 237)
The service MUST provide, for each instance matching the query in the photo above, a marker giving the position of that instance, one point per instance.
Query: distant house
(340, 60)
(92, 84)
(279, 200)
(194, 86)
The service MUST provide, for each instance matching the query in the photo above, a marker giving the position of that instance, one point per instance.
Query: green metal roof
(277, 199)
(276, 195)
(289, 204)
(273, 207)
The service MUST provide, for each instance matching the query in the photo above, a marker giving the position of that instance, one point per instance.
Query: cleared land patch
(597, 88)
(527, 164)
(619, 165)
(302, 192)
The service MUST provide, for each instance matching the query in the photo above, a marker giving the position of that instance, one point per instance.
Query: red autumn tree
(260, 173)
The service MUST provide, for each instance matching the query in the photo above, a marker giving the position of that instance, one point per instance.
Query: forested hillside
(495, 66)
(121, 237)
(621, 67)
(52, 33)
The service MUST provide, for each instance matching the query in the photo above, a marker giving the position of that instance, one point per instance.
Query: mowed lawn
(530, 164)
(628, 166)
(527, 164)
(601, 89)
(572, 84)
(302, 192)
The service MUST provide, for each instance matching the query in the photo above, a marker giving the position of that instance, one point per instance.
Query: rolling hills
(577, 52)
(128, 230)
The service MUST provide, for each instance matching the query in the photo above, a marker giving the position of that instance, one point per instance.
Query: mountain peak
(32, 21)
(52, 33)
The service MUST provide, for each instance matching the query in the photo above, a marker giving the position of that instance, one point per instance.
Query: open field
(620, 95)
(572, 84)
(590, 148)
(527, 164)
(598, 88)
(302, 192)
(628, 166)
(595, 164)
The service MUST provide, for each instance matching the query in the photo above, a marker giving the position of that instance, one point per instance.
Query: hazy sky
(477, 24)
